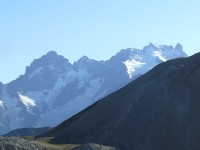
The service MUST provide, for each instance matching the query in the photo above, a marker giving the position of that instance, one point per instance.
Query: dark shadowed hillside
(158, 111)
(27, 131)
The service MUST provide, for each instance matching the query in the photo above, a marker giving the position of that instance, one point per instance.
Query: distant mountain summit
(54, 88)
(158, 111)
(41, 74)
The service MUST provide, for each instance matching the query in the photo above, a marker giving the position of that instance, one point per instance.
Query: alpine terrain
(158, 111)
(53, 89)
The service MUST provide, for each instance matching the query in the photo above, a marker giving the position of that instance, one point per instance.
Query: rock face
(158, 111)
(54, 88)
(13, 143)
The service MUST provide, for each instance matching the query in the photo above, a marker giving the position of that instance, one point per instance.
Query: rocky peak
(149, 48)
(90, 65)
(121, 56)
(51, 61)
(178, 47)
(84, 59)
(51, 53)
(41, 74)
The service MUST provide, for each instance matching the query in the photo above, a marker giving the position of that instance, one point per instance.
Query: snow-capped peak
(140, 61)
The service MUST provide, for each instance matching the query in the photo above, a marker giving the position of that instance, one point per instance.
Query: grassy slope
(49, 146)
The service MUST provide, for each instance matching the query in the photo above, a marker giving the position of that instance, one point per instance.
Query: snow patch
(2, 112)
(159, 55)
(28, 102)
(132, 65)
(1, 105)
(12, 110)
(35, 72)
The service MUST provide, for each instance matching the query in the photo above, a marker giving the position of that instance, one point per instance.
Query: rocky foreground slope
(158, 111)
(15, 143)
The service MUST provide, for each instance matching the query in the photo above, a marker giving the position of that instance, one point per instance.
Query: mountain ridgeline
(27, 132)
(158, 111)
(52, 87)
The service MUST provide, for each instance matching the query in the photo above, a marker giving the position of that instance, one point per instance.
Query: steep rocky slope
(159, 110)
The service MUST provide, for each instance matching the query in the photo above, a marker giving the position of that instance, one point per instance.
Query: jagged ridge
(53, 87)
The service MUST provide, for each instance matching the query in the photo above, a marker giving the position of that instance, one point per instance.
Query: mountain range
(53, 89)
(158, 111)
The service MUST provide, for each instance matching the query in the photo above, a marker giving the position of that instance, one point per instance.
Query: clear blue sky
(96, 28)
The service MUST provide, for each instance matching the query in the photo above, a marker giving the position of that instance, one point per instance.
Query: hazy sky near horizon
(96, 28)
